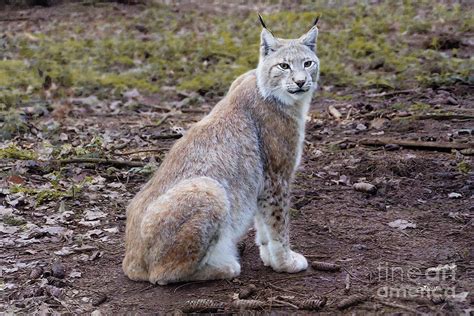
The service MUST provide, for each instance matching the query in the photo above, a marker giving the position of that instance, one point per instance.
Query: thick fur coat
(232, 168)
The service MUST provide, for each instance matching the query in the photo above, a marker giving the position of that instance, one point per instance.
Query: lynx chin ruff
(232, 168)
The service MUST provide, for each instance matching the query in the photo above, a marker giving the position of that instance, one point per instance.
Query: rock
(58, 270)
(99, 299)
(401, 224)
(361, 127)
(36, 273)
(451, 101)
(454, 195)
(247, 291)
(359, 247)
(378, 123)
(54, 291)
(132, 94)
(365, 187)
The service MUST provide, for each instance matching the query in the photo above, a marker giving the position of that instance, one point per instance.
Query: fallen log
(436, 146)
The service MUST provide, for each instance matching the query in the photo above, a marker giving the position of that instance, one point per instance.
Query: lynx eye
(284, 66)
(308, 64)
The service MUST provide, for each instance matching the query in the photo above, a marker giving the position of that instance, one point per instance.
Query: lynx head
(288, 69)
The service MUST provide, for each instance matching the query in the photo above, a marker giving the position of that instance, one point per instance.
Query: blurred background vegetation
(384, 45)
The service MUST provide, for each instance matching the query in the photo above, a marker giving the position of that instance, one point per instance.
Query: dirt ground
(424, 266)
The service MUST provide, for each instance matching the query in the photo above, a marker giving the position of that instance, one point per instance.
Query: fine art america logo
(435, 283)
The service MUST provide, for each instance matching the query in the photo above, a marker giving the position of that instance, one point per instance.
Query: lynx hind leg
(133, 263)
(181, 227)
(221, 261)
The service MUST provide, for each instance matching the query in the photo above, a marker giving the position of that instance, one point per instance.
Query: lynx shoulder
(231, 169)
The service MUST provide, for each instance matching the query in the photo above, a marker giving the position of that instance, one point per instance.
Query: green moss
(14, 152)
(464, 167)
(51, 194)
(13, 221)
(351, 40)
(399, 106)
(420, 107)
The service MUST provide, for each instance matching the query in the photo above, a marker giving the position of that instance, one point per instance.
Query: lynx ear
(309, 39)
(268, 42)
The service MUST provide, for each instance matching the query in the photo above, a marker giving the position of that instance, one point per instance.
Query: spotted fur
(232, 168)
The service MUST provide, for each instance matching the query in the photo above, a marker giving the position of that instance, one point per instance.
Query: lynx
(232, 168)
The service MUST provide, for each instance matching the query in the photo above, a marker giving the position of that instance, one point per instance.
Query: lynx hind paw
(294, 263)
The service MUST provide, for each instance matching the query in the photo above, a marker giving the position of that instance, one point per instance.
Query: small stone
(247, 291)
(365, 187)
(403, 114)
(58, 270)
(99, 299)
(454, 195)
(54, 291)
(359, 247)
(452, 101)
(402, 224)
(361, 127)
(378, 123)
(36, 273)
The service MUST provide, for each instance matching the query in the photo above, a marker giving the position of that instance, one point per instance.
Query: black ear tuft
(316, 20)
(261, 21)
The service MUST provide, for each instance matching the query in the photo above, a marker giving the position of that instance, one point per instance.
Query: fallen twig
(14, 19)
(277, 288)
(356, 278)
(186, 284)
(100, 161)
(248, 304)
(347, 283)
(334, 112)
(148, 150)
(436, 146)
(394, 305)
(159, 123)
(292, 277)
(167, 136)
(392, 93)
(284, 303)
(441, 117)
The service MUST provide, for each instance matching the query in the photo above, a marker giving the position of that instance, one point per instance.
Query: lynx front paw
(294, 262)
(265, 255)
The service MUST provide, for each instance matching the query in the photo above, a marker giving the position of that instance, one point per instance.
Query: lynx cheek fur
(233, 167)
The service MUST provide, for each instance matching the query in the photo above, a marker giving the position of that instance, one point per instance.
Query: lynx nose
(300, 83)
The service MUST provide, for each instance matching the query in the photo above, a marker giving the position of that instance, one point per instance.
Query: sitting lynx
(233, 167)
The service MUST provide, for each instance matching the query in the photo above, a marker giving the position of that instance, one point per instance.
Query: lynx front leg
(272, 223)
